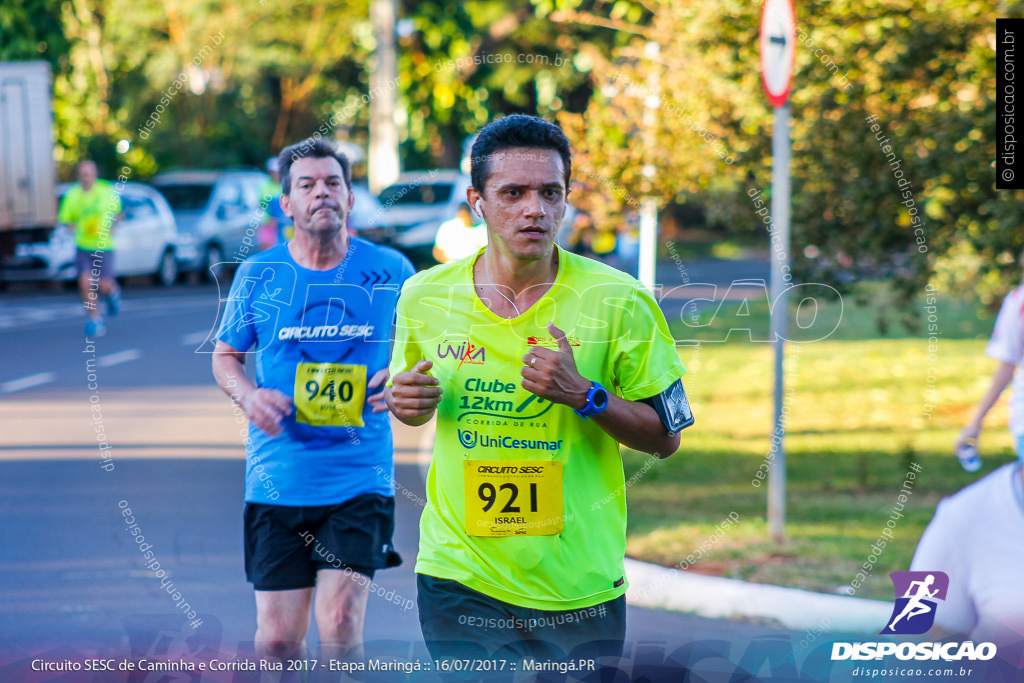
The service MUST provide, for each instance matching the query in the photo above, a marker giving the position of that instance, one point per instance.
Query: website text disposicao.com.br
(951, 659)
(912, 673)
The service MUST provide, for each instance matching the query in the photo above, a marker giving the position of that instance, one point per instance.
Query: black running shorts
(285, 546)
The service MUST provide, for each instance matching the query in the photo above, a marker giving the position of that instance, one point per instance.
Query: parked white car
(413, 208)
(144, 243)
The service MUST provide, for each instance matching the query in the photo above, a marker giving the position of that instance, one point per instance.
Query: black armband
(672, 407)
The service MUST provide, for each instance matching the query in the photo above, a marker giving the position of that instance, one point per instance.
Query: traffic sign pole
(778, 45)
(780, 259)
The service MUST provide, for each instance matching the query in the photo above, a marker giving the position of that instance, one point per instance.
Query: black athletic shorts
(459, 622)
(285, 546)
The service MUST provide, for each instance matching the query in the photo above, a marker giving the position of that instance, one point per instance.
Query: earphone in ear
(479, 211)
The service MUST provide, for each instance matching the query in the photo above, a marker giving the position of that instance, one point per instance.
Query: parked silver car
(144, 243)
(218, 215)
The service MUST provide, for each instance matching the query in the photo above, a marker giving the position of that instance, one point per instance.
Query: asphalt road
(72, 578)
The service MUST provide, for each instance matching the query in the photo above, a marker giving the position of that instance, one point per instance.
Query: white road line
(44, 314)
(195, 338)
(118, 358)
(26, 382)
(19, 316)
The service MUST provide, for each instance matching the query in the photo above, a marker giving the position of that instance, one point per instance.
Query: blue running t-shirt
(319, 337)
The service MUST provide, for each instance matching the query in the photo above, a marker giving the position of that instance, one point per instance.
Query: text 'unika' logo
(916, 592)
(466, 352)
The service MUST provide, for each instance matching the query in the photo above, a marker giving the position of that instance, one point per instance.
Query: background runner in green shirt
(90, 208)
(546, 361)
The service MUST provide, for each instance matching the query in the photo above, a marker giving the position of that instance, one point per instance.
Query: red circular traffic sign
(778, 45)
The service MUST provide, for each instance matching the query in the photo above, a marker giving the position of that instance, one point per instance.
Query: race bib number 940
(513, 497)
(330, 394)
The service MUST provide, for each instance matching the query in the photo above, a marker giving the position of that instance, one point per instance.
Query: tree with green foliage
(463, 65)
(687, 88)
(31, 29)
(219, 85)
(222, 85)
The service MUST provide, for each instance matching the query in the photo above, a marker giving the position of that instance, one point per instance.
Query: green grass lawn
(856, 422)
(870, 311)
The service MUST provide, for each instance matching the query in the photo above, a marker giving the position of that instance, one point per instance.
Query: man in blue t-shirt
(319, 486)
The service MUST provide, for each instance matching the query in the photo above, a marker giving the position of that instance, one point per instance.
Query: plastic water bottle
(968, 456)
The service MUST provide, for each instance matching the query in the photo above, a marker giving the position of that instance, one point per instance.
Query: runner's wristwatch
(597, 401)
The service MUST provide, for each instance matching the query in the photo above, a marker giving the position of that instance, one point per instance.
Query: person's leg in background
(108, 284)
(88, 289)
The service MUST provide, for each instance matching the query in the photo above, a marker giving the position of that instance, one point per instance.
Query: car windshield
(412, 193)
(136, 207)
(192, 197)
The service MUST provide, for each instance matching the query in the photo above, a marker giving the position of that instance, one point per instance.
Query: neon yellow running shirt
(619, 338)
(91, 213)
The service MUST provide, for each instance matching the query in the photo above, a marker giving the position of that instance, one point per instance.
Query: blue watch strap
(594, 407)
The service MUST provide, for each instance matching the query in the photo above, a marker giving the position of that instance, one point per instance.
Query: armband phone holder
(673, 408)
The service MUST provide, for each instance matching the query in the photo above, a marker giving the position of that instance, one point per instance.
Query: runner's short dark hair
(517, 130)
(313, 147)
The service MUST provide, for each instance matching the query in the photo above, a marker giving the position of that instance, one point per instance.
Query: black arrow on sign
(777, 40)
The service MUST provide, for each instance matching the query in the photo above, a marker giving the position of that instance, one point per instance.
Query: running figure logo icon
(914, 612)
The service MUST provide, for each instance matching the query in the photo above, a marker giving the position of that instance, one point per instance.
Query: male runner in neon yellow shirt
(546, 362)
(91, 207)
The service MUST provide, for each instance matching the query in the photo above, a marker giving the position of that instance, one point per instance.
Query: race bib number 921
(513, 497)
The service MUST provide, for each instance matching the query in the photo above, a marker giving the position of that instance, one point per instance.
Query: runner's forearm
(229, 372)
(636, 425)
(1000, 378)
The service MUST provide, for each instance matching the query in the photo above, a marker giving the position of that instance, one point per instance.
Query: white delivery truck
(28, 176)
